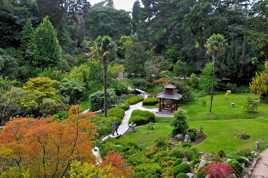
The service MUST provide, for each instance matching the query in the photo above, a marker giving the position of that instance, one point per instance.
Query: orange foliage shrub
(47, 147)
(119, 167)
(162, 81)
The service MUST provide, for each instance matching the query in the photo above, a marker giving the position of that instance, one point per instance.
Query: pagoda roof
(174, 96)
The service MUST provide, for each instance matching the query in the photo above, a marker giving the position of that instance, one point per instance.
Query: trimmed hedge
(124, 106)
(116, 114)
(134, 100)
(150, 101)
(140, 117)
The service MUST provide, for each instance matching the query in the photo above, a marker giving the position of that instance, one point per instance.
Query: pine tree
(46, 49)
(26, 40)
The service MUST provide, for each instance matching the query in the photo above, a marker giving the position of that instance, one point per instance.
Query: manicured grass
(224, 134)
(147, 134)
(222, 109)
(222, 127)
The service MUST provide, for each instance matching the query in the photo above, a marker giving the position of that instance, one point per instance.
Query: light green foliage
(180, 125)
(46, 87)
(215, 45)
(83, 170)
(117, 114)
(134, 100)
(14, 173)
(206, 77)
(140, 117)
(150, 101)
(46, 49)
(259, 84)
(90, 74)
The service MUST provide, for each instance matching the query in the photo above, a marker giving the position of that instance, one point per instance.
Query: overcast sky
(119, 4)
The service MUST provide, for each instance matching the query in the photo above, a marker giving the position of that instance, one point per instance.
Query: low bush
(124, 106)
(140, 117)
(192, 133)
(180, 125)
(182, 175)
(182, 168)
(117, 114)
(134, 100)
(97, 99)
(150, 101)
(237, 167)
(148, 170)
(200, 175)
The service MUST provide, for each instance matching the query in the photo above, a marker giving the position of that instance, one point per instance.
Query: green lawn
(222, 127)
(147, 134)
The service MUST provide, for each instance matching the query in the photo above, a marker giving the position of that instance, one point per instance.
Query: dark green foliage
(182, 69)
(141, 83)
(50, 106)
(107, 21)
(46, 49)
(134, 100)
(150, 101)
(237, 167)
(8, 65)
(97, 99)
(140, 117)
(181, 168)
(192, 133)
(180, 123)
(136, 56)
(182, 175)
(200, 175)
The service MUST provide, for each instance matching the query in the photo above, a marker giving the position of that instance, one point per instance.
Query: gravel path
(261, 169)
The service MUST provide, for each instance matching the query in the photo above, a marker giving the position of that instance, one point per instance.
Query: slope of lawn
(222, 108)
(224, 134)
(147, 134)
(222, 128)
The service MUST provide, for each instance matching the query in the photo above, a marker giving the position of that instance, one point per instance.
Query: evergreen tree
(46, 49)
(26, 39)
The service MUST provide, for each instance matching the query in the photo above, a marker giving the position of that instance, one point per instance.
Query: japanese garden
(134, 88)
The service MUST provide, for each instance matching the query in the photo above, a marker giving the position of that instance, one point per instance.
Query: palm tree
(215, 48)
(104, 45)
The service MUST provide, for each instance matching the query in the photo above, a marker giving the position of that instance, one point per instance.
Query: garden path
(261, 169)
(124, 126)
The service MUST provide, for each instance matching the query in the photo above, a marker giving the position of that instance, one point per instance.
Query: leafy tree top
(215, 45)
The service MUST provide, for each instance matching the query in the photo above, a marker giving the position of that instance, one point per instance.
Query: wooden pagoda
(169, 99)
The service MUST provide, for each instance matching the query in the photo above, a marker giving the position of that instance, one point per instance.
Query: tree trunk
(105, 82)
(212, 84)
